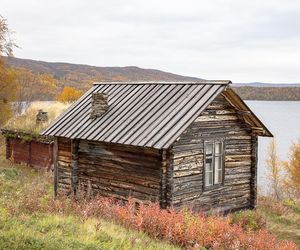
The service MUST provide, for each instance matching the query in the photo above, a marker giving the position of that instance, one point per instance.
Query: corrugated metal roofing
(148, 114)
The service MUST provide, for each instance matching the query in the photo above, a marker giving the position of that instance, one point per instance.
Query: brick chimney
(41, 116)
(99, 104)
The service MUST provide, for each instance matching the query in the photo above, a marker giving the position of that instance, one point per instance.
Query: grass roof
(27, 121)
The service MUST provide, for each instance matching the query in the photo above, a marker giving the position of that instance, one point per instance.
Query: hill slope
(79, 76)
(82, 76)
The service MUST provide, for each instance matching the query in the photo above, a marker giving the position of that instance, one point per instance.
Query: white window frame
(215, 171)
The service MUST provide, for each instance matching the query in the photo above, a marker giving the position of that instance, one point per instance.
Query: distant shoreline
(269, 93)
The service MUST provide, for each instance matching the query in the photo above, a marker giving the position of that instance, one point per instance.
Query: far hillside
(81, 77)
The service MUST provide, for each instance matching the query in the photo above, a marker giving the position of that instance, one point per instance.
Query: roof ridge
(210, 82)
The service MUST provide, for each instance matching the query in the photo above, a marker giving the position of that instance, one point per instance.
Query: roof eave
(257, 125)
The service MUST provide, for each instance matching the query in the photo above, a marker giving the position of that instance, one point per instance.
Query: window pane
(208, 160)
(208, 166)
(216, 176)
(208, 149)
(211, 178)
(218, 169)
(218, 148)
(208, 178)
(220, 176)
(213, 167)
(218, 162)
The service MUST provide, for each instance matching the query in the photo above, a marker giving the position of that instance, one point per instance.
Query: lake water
(282, 118)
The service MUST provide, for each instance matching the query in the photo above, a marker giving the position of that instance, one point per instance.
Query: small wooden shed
(26, 148)
(183, 144)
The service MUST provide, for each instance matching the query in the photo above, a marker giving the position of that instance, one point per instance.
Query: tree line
(269, 93)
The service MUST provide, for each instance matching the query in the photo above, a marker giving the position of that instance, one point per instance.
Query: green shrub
(293, 205)
(248, 220)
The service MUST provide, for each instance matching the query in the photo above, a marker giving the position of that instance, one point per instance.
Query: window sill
(216, 186)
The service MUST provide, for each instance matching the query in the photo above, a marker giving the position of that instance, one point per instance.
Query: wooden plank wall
(20, 151)
(41, 155)
(33, 153)
(119, 171)
(8, 149)
(219, 121)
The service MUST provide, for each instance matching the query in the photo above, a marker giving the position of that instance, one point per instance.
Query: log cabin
(182, 144)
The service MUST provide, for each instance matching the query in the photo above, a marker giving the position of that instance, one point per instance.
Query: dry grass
(27, 121)
(31, 219)
(27, 206)
(283, 218)
(24, 225)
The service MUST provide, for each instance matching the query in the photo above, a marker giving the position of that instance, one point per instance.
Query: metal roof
(148, 114)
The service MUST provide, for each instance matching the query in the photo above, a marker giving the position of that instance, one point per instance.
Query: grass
(47, 231)
(284, 223)
(27, 221)
(20, 229)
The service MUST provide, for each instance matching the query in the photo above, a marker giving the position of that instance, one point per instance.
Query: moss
(26, 138)
(10, 135)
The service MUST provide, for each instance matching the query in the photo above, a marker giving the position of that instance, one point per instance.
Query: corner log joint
(74, 165)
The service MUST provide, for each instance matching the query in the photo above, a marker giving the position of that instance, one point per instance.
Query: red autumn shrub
(183, 228)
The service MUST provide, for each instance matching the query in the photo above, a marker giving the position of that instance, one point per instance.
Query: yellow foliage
(8, 91)
(5, 113)
(35, 86)
(292, 169)
(68, 95)
(273, 170)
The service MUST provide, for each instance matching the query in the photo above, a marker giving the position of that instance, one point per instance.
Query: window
(213, 163)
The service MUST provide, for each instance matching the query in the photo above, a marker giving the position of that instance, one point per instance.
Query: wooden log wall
(219, 121)
(163, 180)
(63, 167)
(119, 171)
(55, 161)
(74, 165)
(253, 181)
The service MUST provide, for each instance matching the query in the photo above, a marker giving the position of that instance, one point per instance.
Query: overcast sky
(241, 40)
